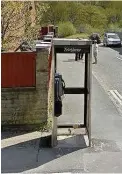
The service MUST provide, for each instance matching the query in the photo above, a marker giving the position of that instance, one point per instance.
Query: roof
(63, 41)
(43, 45)
(111, 33)
(48, 35)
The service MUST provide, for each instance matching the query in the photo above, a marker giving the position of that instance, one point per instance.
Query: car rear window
(113, 36)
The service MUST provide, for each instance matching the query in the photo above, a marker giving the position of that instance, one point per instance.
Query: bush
(79, 35)
(114, 28)
(88, 28)
(66, 29)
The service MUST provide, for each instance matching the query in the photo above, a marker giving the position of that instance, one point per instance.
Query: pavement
(73, 75)
(20, 152)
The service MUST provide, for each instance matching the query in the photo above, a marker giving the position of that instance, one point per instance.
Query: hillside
(22, 19)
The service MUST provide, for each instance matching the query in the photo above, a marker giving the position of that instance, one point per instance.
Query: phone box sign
(72, 49)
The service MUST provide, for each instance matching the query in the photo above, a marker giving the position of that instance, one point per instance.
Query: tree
(19, 20)
(13, 24)
(22, 19)
(56, 11)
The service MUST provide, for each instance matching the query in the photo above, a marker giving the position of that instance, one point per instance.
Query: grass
(80, 35)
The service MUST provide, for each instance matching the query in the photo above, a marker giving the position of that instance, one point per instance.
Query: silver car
(51, 33)
(111, 39)
(48, 38)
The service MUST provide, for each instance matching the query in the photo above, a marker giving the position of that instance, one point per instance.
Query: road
(109, 74)
(108, 71)
(105, 155)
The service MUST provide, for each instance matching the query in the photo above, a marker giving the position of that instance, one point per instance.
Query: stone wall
(51, 96)
(28, 105)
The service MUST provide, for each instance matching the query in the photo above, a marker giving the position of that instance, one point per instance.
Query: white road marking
(119, 58)
(118, 94)
(113, 92)
(116, 99)
(114, 95)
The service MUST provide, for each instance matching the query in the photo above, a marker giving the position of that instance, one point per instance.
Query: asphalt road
(108, 71)
(105, 155)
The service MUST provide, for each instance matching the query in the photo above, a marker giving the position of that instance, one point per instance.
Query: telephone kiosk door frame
(60, 45)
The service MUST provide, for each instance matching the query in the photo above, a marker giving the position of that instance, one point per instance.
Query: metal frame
(73, 46)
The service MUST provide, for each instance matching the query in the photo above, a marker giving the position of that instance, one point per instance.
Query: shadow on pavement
(27, 155)
(69, 60)
(6, 134)
(119, 50)
(72, 60)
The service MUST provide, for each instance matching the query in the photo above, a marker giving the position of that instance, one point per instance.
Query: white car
(48, 38)
(50, 33)
(111, 39)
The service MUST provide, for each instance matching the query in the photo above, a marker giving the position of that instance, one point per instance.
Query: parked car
(111, 39)
(48, 38)
(95, 36)
(51, 33)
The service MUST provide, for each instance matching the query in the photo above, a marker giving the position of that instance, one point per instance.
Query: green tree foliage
(96, 14)
(56, 11)
(85, 16)
(16, 22)
(66, 29)
(11, 20)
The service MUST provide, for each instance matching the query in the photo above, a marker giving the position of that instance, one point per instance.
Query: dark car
(95, 36)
